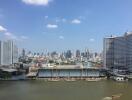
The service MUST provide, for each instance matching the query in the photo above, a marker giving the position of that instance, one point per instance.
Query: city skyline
(62, 25)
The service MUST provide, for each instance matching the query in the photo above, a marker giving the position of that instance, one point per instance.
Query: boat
(70, 79)
(113, 97)
(93, 79)
(120, 79)
(107, 98)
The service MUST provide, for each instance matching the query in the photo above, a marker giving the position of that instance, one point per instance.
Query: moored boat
(120, 79)
(93, 79)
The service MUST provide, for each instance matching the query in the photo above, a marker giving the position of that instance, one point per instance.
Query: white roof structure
(128, 33)
(9, 70)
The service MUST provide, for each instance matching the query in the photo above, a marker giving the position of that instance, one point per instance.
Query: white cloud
(91, 40)
(7, 34)
(10, 36)
(76, 21)
(52, 26)
(37, 2)
(24, 37)
(2, 29)
(61, 37)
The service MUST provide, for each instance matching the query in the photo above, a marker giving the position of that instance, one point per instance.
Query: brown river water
(63, 90)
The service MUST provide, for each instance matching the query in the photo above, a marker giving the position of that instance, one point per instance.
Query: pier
(69, 73)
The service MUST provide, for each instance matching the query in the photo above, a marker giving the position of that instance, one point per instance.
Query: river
(62, 90)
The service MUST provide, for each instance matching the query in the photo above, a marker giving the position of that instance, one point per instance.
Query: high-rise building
(118, 52)
(87, 54)
(9, 53)
(0, 52)
(77, 53)
(23, 53)
(68, 54)
(14, 53)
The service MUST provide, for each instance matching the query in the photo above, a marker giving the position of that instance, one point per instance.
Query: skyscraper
(87, 53)
(118, 51)
(77, 53)
(68, 54)
(14, 53)
(23, 53)
(9, 52)
(0, 52)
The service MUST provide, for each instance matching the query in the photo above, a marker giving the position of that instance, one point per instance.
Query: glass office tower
(118, 51)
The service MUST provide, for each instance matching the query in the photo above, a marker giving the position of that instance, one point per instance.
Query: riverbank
(54, 79)
(72, 79)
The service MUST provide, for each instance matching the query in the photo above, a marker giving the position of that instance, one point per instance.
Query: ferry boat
(120, 78)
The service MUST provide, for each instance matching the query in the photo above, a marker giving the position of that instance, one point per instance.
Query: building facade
(14, 53)
(8, 53)
(68, 54)
(0, 52)
(69, 73)
(77, 53)
(118, 52)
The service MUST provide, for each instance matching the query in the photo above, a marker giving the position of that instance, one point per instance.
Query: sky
(50, 25)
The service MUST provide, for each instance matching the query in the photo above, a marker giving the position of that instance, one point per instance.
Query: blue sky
(39, 25)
